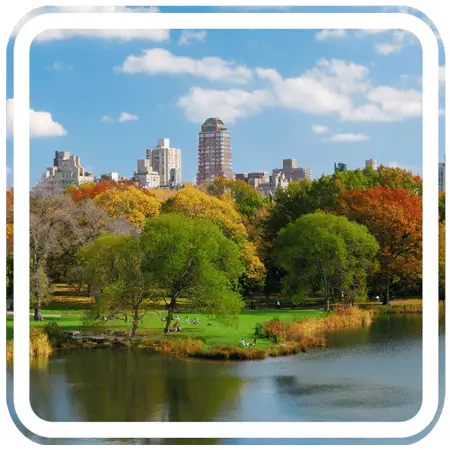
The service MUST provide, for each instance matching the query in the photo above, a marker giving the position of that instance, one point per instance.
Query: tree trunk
(172, 304)
(37, 312)
(135, 322)
(386, 296)
(327, 307)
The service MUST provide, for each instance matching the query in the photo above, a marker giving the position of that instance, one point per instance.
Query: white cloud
(399, 40)
(123, 117)
(8, 171)
(59, 67)
(41, 123)
(331, 87)
(121, 35)
(320, 129)
(126, 117)
(442, 112)
(325, 35)
(347, 137)
(229, 105)
(396, 165)
(158, 61)
(188, 36)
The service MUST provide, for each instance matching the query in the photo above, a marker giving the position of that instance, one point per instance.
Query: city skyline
(313, 96)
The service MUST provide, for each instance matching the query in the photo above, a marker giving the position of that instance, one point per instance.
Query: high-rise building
(441, 176)
(145, 174)
(67, 169)
(371, 164)
(292, 172)
(339, 167)
(163, 159)
(214, 151)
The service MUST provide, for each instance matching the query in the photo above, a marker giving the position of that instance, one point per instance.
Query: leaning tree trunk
(172, 304)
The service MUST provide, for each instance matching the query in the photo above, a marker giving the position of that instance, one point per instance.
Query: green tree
(442, 261)
(9, 278)
(113, 264)
(98, 263)
(40, 290)
(442, 207)
(190, 257)
(329, 251)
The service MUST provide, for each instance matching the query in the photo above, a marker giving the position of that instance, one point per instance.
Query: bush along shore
(281, 338)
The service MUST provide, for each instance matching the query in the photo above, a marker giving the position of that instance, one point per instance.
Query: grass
(39, 345)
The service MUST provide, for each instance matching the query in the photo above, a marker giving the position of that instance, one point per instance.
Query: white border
(226, 429)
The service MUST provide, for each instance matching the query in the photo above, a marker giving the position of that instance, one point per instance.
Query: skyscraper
(164, 159)
(214, 151)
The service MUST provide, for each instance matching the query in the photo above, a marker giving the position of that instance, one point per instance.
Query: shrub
(56, 334)
(39, 344)
(259, 330)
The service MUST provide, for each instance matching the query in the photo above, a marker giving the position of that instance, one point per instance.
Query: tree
(9, 222)
(50, 217)
(40, 290)
(130, 204)
(329, 251)
(121, 285)
(9, 278)
(98, 263)
(442, 261)
(194, 203)
(248, 201)
(89, 221)
(190, 257)
(441, 206)
(394, 217)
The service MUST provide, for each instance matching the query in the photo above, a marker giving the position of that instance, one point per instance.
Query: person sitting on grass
(244, 344)
(175, 326)
(186, 320)
(253, 344)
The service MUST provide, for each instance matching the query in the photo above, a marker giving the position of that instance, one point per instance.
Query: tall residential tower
(214, 151)
(166, 161)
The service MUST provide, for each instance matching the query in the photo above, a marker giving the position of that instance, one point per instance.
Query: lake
(371, 374)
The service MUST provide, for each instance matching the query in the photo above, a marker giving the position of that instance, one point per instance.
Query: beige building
(145, 174)
(294, 173)
(67, 169)
(166, 161)
(371, 164)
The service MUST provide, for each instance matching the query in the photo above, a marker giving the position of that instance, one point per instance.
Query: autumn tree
(130, 204)
(328, 251)
(442, 261)
(190, 257)
(49, 218)
(442, 207)
(9, 221)
(394, 217)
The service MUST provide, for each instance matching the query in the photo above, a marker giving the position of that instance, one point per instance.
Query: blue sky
(316, 96)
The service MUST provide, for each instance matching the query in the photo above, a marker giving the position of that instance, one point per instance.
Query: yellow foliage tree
(194, 203)
(129, 204)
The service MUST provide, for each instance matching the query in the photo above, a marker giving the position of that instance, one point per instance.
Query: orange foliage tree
(93, 190)
(394, 217)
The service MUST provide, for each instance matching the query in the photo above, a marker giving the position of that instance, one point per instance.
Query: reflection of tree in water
(131, 385)
(197, 392)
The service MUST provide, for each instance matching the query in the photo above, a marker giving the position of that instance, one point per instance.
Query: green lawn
(218, 334)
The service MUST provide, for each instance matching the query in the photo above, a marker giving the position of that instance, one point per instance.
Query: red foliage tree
(93, 190)
(394, 217)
